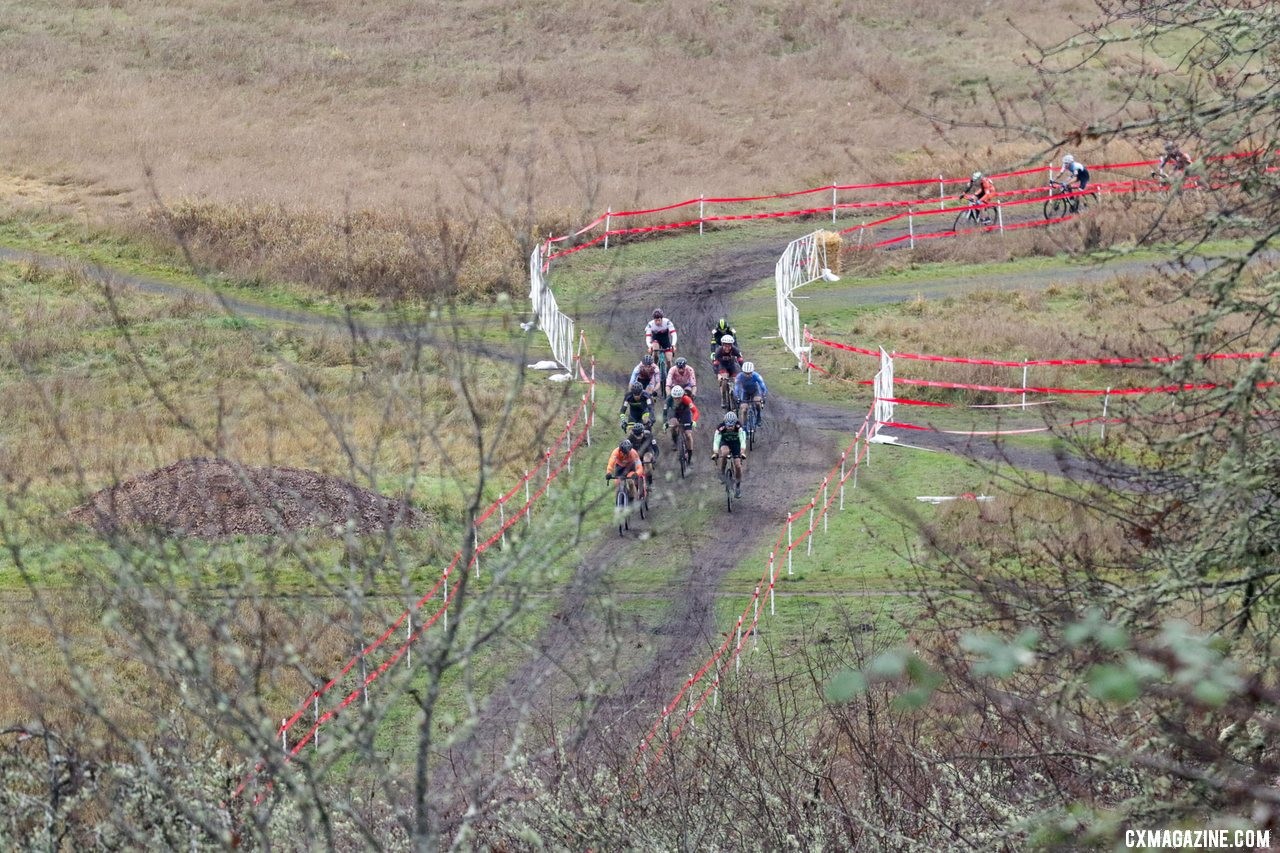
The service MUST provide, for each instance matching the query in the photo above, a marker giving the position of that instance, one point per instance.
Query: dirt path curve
(645, 660)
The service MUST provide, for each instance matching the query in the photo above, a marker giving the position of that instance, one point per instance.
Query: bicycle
(1060, 202)
(977, 212)
(623, 498)
(661, 360)
(752, 421)
(727, 398)
(731, 485)
(684, 452)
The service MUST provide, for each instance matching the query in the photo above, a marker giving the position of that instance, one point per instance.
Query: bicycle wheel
(753, 421)
(662, 372)
(684, 452)
(725, 395)
(1054, 207)
(727, 476)
(963, 215)
(620, 507)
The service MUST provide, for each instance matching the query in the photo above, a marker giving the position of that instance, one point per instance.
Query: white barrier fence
(557, 325)
(803, 262)
(883, 385)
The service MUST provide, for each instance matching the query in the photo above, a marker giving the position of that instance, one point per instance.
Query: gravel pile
(214, 497)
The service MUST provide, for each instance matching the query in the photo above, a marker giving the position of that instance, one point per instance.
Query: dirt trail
(791, 456)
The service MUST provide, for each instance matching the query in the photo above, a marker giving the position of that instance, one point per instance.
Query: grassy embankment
(98, 390)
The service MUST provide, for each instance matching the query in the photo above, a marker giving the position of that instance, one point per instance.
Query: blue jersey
(748, 386)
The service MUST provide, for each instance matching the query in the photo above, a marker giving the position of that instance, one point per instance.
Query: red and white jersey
(663, 331)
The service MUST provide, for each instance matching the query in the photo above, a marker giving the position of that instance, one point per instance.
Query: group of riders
(1073, 176)
(741, 386)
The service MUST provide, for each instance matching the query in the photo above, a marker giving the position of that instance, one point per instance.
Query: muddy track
(645, 660)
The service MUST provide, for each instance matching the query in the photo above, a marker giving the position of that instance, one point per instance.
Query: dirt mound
(214, 497)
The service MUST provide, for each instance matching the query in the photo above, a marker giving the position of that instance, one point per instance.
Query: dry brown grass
(329, 106)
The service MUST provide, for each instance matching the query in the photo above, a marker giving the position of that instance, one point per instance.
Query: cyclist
(681, 373)
(1075, 171)
(683, 414)
(660, 333)
(646, 373)
(1174, 157)
(721, 329)
(749, 387)
(643, 442)
(730, 442)
(624, 462)
(726, 360)
(637, 407)
(981, 190)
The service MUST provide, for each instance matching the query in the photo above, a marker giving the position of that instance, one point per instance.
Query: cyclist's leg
(722, 456)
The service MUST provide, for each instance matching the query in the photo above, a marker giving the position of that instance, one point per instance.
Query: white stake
(502, 522)
(608, 213)
(1105, 399)
(941, 194)
(790, 539)
(284, 737)
(528, 507)
(702, 205)
(809, 544)
(824, 504)
(315, 711)
(911, 229)
(475, 545)
(1024, 387)
(773, 579)
(833, 204)
(408, 640)
(446, 602)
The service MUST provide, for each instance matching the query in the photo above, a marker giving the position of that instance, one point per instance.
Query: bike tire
(728, 488)
(1054, 207)
(620, 506)
(960, 218)
(662, 372)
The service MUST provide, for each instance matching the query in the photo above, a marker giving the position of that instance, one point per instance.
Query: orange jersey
(629, 460)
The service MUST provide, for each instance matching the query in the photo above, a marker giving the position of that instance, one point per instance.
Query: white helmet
(1067, 158)
(748, 367)
(727, 339)
(977, 176)
(676, 392)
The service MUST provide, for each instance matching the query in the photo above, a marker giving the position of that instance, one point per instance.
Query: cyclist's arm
(635, 371)
(764, 389)
(693, 412)
(742, 441)
(715, 442)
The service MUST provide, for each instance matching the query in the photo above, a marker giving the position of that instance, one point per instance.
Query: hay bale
(832, 242)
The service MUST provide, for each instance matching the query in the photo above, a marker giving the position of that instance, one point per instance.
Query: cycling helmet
(977, 176)
(677, 392)
(682, 362)
(636, 387)
(731, 419)
(657, 313)
(637, 430)
(728, 339)
(1067, 158)
(625, 447)
(722, 323)
(647, 360)
(748, 367)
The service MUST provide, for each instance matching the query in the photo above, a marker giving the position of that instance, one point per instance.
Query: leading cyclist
(660, 333)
